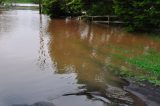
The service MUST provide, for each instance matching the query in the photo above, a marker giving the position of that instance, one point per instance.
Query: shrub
(142, 15)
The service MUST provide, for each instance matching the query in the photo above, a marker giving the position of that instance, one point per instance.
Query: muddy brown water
(63, 61)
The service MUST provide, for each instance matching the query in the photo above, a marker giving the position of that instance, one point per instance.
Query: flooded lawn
(65, 62)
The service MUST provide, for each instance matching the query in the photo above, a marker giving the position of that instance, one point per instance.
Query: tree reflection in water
(79, 48)
(44, 61)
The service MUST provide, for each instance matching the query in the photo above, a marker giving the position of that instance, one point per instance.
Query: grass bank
(145, 67)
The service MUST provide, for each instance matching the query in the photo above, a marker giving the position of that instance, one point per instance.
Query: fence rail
(107, 19)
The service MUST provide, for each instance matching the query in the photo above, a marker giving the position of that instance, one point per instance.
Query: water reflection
(42, 59)
(86, 49)
(44, 62)
(72, 51)
(4, 22)
(69, 50)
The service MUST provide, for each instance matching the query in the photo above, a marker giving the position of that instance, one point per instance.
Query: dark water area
(63, 61)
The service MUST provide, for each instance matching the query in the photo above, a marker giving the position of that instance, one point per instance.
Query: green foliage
(138, 14)
(23, 1)
(75, 7)
(20, 1)
(59, 8)
(1, 1)
(100, 8)
(54, 8)
(36, 1)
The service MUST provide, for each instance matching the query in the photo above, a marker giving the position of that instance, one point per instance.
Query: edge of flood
(148, 92)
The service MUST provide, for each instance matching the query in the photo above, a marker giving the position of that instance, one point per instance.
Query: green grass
(149, 61)
(147, 65)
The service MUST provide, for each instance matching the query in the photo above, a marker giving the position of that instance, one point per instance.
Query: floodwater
(62, 61)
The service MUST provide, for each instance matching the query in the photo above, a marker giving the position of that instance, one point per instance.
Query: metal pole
(40, 7)
(108, 20)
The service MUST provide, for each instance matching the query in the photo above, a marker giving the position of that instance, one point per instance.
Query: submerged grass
(149, 61)
(147, 66)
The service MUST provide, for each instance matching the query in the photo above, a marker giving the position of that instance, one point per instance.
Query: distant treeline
(18, 1)
(138, 15)
(25, 1)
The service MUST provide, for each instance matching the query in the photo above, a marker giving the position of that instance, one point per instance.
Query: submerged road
(60, 62)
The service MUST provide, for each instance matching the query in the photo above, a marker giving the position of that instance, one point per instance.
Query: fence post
(40, 7)
(108, 19)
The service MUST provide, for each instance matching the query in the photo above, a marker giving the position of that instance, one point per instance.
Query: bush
(139, 15)
(62, 8)
(100, 8)
(54, 8)
(1, 1)
(75, 7)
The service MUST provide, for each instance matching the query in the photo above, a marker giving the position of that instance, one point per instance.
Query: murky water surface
(62, 61)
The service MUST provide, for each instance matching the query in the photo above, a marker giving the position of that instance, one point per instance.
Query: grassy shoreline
(146, 67)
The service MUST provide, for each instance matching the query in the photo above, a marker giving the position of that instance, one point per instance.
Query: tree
(55, 8)
(36, 1)
(62, 8)
(138, 15)
(75, 7)
(1, 1)
(98, 7)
